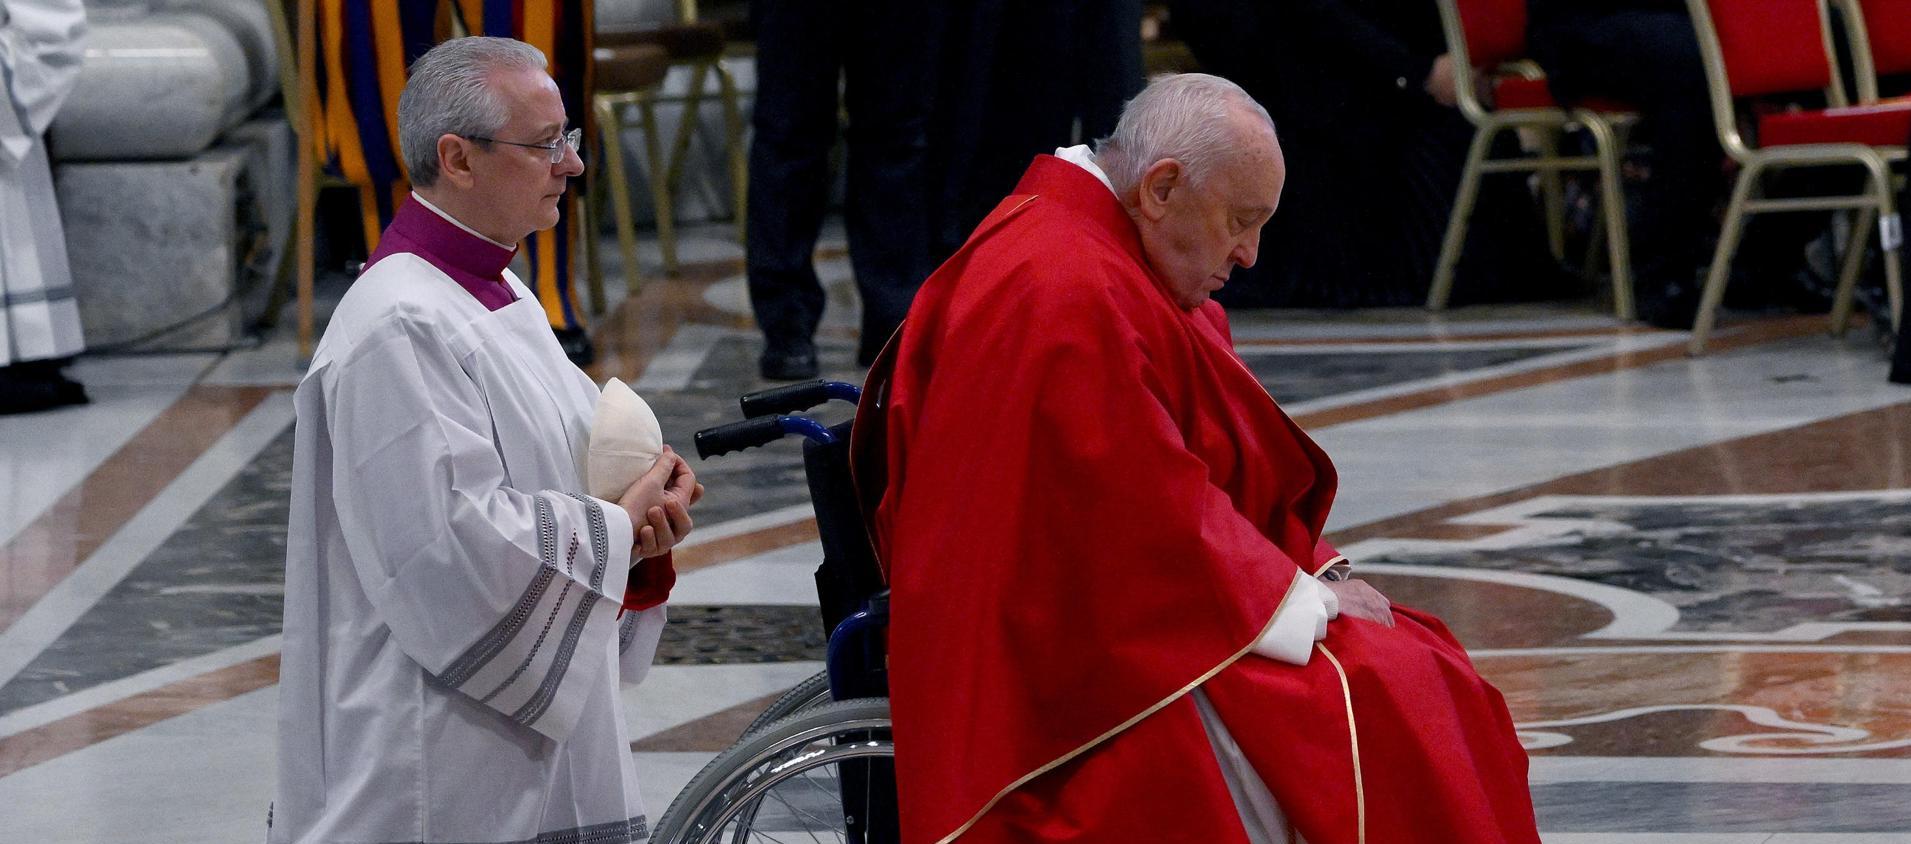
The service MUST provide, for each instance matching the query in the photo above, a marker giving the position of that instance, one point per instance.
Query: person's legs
(1651, 61)
(890, 65)
(795, 123)
(1506, 257)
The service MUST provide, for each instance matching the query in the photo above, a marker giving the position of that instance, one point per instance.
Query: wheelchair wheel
(809, 693)
(824, 774)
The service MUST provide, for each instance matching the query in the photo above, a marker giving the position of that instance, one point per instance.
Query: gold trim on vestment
(1338, 559)
(1353, 737)
(1064, 758)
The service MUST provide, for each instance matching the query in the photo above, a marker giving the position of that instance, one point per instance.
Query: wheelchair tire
(803, 696)
(725, 802)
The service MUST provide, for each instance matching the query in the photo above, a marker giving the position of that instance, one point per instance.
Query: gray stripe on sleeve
(627, 633)
(492, 643)
(562, 596)
(600, 538)
(535, 708)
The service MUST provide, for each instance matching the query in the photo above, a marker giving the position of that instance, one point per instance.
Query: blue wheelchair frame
(850, 589)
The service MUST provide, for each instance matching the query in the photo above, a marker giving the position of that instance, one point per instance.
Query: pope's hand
(1361, 600)
(659, 504)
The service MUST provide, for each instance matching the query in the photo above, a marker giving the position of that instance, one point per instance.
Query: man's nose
(1248, 250)
(573, 163)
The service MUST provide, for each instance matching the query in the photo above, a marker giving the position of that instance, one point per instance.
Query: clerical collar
(1080, 156)
(472, 260)
(454, 221)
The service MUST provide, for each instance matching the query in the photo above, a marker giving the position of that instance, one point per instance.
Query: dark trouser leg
(798, 58)
(890, 67)
(1506, 256)
(1651, 60)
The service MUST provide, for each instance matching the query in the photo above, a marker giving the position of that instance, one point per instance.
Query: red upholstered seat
(1888, 27)
(1882, 124)
(1771, 46)
(1495, 30)
(1518, 92)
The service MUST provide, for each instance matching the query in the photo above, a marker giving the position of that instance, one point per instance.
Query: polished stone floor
(1689, 576)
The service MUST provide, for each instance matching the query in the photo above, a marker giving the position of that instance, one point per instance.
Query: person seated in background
(1113, 615)
(1362, 90)
(1645, 53)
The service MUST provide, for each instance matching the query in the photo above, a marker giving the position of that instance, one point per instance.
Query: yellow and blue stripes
(365, 47)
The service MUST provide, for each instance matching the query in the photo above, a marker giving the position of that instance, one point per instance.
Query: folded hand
(659, 503)
(1360, 600)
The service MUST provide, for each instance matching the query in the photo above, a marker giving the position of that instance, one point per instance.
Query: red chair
(1761, 48)
(1489, 37)
(1879, 32)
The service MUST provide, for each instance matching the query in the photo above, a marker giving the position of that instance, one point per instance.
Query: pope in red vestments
(1094, 512)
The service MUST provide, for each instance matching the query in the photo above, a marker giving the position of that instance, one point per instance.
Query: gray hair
(449, 93)
(1184, 116)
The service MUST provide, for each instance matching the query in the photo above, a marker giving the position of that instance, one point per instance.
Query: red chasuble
(1092, 509)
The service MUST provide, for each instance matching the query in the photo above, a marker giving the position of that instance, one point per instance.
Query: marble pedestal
(157, 243)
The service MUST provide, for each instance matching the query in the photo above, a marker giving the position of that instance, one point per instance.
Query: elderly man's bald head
(1196, 163)
(1199, 120)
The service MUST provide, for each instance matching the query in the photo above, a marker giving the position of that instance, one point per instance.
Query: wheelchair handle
(796, 398)
(750, 433)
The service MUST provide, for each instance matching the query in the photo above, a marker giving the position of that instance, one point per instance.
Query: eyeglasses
(569, 140)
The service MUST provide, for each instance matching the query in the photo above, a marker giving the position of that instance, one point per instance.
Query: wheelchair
(818, 764)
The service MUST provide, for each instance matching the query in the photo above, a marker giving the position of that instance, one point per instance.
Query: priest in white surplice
(459, 615)
(40, 50)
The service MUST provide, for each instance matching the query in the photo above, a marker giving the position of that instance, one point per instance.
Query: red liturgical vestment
(1093, 509)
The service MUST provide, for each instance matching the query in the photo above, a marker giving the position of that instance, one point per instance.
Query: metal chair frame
(1872, 205)
(1858, 40)
(667, 173)
(1608, 134)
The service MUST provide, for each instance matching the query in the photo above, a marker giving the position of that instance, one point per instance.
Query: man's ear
(454, 161)
(1158, 184)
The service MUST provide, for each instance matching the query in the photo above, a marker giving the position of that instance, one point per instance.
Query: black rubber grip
(794, 398)
(737, 436)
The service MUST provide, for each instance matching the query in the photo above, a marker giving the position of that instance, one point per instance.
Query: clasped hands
(659, 503)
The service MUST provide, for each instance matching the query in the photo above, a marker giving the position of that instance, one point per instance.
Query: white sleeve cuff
(1301, 622)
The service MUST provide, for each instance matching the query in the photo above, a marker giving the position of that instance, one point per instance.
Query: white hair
(1188, 117)
(449, 93)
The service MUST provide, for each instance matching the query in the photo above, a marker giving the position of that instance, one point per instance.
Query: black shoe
(32, 387)
(1673, 306)
(777, 365)
(576, 343)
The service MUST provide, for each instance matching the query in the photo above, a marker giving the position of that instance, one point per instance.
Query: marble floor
(1690, 577)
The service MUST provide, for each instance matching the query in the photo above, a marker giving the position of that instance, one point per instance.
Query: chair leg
(587, 229)
(1721, 267)
(1852, 267)
(1612, 207)
(686, 124)
(1893, 269)
(1442, 287)
(660, 191)
(1894, 287)
(739, 157)
(1553, 196)
(613, 129)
